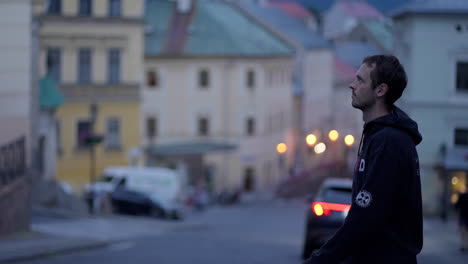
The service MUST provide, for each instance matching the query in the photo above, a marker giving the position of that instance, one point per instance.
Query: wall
(178, 102)
(433, 102)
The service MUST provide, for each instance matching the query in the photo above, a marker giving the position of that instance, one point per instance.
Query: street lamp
(349, 140)
(320, 148)
(281, 148)
(333, 135)
(311, 139)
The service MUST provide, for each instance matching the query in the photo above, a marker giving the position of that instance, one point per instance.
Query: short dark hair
(387, 70)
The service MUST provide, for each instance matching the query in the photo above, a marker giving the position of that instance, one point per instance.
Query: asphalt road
(266, 233)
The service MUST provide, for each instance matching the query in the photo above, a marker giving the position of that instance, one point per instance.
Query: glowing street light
(311, 139)
(349, 140)
(333, 135)
(281, 148)
(320, 148)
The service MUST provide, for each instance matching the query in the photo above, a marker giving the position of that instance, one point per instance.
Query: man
(384, 224)
(462, 208)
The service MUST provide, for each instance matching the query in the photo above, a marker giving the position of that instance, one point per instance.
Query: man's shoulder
(391, 137)
(392, 134)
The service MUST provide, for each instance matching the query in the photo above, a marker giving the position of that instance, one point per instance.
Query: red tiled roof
(360, 9)
(179, 24)
(344, 72)
(293, 9)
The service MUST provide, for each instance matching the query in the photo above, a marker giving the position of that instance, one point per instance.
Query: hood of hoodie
(398, 119)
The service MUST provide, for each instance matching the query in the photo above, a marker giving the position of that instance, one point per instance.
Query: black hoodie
(384, 224)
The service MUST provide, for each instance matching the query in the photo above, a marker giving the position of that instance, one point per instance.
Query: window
(113, 75)
(151, 127)
(250, 126)
(115, 8)
(54, 63)
(84, 65)
(112, 137)
(85, 8)
(203, 126)
(461, 136)
(203, 79)
(83, 129)
(462, 76)
(54, 7)
(250, 79)
(152, 79)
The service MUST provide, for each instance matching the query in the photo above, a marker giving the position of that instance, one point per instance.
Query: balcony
(119, 92)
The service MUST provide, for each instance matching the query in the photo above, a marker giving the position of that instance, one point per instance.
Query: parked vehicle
(142, 190)
(327, 212)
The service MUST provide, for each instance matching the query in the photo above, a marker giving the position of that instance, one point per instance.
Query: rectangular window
(250, 126)
(203, 79)
(115, 8)
(203, 126)
(250, 79)
(54, 7)
(249, 179)
(461, 136)
(114, 66)
(462, 76)
(151, 127)
(112, 137)
(54, 63)
(152, 79)
(83, 128)
(85, 8)
(84, 65)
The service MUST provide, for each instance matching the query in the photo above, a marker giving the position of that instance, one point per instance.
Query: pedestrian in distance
(384, 224)
(462, 208)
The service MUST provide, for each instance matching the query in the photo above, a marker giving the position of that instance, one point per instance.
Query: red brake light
(322, 208)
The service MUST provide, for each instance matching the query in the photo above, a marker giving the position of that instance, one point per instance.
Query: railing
(12, 161)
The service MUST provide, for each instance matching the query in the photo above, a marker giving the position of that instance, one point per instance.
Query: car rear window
(337, 195)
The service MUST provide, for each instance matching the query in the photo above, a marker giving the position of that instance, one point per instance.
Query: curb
(39, 254)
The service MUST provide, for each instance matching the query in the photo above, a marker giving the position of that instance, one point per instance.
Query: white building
(432, 43)
(16, 93)
(215, 79)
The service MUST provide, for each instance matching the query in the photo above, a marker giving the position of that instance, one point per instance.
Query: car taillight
(322, 208)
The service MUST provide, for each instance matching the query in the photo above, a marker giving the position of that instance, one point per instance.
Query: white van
(162, 185)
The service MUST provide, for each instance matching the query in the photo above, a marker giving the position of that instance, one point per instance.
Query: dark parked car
(327, 212)
(140, 203)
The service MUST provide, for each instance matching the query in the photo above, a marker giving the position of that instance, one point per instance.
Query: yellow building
(94, 50)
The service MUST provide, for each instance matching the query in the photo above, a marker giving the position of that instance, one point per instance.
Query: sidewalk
(441, 243)
(66, 235)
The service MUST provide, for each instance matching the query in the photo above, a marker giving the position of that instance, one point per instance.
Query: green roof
(382, 33)
(216, 28)
(50, 96)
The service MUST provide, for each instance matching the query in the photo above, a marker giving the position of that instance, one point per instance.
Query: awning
(456, 159)
(50, 97)
(189, 148)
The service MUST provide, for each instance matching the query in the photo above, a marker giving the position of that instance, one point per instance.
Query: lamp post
(93, 112)
(349, 142)
(281, 149)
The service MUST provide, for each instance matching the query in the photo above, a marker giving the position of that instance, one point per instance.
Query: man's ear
(381, 90)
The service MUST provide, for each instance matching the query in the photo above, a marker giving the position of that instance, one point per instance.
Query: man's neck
(373, 113)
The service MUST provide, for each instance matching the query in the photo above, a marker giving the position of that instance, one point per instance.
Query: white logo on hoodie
(362, 165)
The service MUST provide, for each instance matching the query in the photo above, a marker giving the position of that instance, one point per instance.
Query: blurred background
(137, 130)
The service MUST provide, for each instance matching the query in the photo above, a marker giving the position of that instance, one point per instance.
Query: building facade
(93, 49)
(437, 93)
(218, 78)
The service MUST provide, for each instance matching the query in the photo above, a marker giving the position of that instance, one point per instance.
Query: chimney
(184, 6)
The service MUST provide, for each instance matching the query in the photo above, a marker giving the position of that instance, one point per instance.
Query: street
(267, 232)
